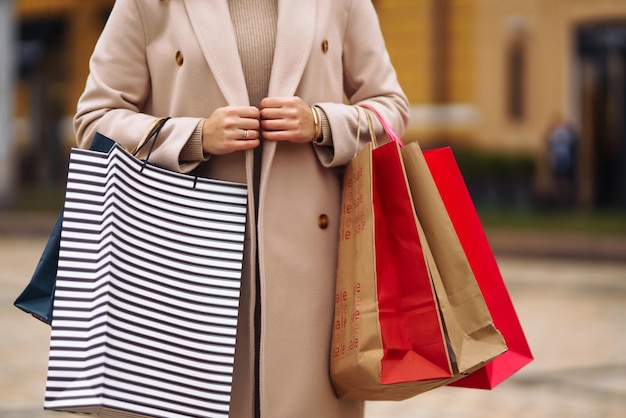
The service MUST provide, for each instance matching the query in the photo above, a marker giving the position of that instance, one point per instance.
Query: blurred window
(516, 69)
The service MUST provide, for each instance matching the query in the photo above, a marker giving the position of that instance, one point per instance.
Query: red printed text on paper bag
(354, 221)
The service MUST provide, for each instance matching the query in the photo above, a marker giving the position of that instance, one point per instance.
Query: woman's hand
(230, 129)
(287, 119)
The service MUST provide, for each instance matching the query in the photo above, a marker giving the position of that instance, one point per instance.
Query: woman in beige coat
(235, 75)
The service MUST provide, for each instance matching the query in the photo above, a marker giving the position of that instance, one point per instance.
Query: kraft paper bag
(473, 336)
(400, 328)
(387, 329)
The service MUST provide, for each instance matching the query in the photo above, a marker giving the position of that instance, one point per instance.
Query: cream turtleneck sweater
(255, 28)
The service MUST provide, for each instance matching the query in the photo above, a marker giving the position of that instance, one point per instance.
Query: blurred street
(572, 307)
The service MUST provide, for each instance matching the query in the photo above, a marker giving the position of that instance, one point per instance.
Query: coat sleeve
(368, 77)
(118, 88)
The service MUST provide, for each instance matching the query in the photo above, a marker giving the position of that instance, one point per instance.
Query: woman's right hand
(230, 129)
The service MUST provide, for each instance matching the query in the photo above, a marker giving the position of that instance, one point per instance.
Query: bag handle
(370, 127)
(388, 129)
(151, 133)
(358, 130)
(151, 136)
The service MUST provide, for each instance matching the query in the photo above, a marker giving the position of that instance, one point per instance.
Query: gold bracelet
(317, 121)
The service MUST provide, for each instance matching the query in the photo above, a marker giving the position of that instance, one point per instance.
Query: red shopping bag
(410, 325)
(466, 222)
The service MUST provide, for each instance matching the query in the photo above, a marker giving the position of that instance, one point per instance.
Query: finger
(279, 136)
(240, 145)
(227, 146)
(249, 134)
(241, 134)
(288, 114)
(272, 113)
(279, 124)
(249, 123)
(272, 102)
(247, 112)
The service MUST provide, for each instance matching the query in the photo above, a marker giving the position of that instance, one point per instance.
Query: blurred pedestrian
(561, 143)
(260, 92)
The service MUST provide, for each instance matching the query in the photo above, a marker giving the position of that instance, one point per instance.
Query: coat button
(325, 46)
(179, 58)
(322, 221)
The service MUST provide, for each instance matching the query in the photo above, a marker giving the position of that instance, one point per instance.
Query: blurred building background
(492, 78)
(53, 42)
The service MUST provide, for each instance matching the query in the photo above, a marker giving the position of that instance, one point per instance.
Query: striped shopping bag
(147, 292)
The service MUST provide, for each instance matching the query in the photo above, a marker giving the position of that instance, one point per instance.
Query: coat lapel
(294, 40)
(216, 35)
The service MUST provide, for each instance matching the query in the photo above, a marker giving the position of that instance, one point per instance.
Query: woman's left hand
(287, 119)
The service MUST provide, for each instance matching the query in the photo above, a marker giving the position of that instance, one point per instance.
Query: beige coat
(179, 58)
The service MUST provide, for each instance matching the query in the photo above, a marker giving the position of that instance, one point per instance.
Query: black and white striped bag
(145, 308)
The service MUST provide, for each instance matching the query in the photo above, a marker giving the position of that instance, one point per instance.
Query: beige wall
(552, 84)
(407, 29)
(431, 43)
(478, 33)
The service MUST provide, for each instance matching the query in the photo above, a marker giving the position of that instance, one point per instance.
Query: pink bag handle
(388, 129)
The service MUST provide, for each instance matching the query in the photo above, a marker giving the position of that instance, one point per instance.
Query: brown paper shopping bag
(473, 336)
(387, 326)
(392, 339)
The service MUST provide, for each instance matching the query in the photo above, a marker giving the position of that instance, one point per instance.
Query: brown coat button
(179, 58)
(325, 46)
(322, 221)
